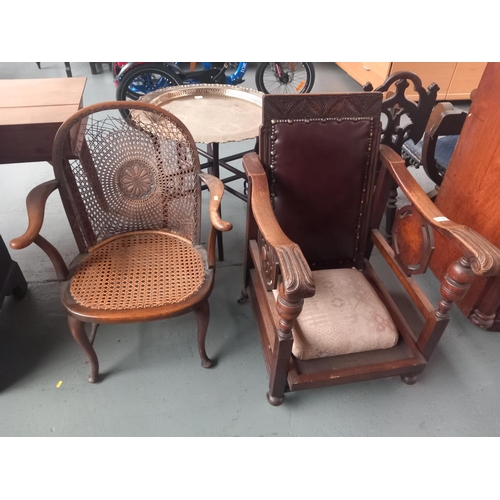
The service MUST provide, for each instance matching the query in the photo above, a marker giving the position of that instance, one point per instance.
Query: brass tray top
(213, 113)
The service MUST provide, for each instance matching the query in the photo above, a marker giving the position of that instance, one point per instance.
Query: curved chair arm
(484, 256)
(216, 188)
(298, 282)
(35, 205)
(445, 119)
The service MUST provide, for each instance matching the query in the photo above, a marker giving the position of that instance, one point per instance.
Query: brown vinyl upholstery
(328, 159)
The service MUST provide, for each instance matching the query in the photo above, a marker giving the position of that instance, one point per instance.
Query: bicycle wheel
(285, 78)
(143, 79)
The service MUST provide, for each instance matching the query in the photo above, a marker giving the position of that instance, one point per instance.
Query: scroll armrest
(216, 188)
(35, 205)
(484, 256)
(298, 282)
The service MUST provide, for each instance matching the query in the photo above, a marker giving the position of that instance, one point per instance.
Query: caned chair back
(121, 175)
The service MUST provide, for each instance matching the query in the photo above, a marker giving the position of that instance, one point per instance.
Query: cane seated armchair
(317, 193)
(131, 191)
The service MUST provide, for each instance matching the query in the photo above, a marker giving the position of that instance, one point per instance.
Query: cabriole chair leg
(202, 313)
(78, 332)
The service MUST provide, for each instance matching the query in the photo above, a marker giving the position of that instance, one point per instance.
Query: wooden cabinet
(455, 80)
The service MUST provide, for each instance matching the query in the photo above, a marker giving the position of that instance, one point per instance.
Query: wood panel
(465, 79)
(456, 80)
(41, 92)
(363, 73)
(469, 192)
(440, 73)
(41, 114)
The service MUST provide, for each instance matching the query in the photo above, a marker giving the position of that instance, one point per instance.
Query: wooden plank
(33, 115)
(41, 92)
(435, 72)
(362, 73)
(469, 192)
(465, 79)
(356, 374)
(27, 143)
(264, 334)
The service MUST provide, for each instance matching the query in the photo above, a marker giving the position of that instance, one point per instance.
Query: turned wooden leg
(485, 313)
(202, 317)
(78, 332)
(288, 310)
(243, 296)
(409, 378)
(454, 287)
(390, 212)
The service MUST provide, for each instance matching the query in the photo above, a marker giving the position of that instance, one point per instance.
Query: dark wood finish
(445, 120)
(79, 214)
(202, 313)
(404, 119)
(469, 195)
(278, 274)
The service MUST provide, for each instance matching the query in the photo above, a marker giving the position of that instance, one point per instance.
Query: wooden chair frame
(406, 120)
(78, 315)
(273, 261)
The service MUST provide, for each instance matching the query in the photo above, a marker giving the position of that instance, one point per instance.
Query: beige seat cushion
(344, 316)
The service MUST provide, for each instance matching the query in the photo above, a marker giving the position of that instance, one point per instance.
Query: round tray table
(215, 114)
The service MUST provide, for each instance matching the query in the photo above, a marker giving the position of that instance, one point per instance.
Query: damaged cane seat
(131, 190)
(147, 270)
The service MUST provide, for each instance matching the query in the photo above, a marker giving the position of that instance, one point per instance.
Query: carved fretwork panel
(412, 241)
(403, 118)
(268, 263)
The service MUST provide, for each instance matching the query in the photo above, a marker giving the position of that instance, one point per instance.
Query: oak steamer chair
(317, 193)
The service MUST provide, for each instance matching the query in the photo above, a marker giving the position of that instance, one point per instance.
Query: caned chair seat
(131, 189)
(139, 271)
(344, 316)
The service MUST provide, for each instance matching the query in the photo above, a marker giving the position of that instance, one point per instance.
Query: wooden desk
(31, 111)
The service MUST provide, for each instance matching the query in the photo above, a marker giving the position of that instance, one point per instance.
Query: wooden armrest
(216, 188)
(484, 256)
(298, 282)
(35, 205)
(445, 119)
